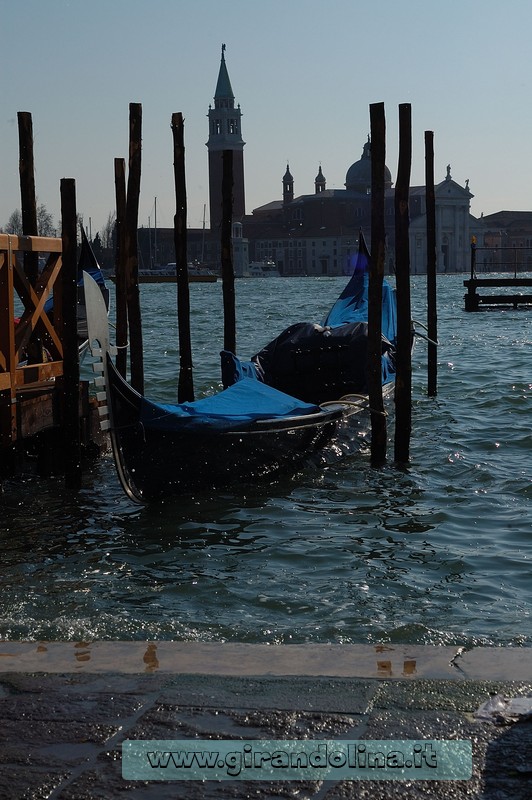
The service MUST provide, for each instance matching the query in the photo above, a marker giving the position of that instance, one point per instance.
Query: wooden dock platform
(516, 260)
(475, 301)
(34, 394)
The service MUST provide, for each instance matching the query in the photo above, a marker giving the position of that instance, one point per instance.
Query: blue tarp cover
(232, 409)
(352, 306)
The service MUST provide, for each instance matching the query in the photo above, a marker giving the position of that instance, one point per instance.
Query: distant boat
(263, 269)
(167, 274)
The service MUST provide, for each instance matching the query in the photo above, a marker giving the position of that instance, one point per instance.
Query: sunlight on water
(438, 553)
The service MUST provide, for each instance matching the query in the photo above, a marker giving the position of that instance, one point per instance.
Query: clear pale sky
(304, 73)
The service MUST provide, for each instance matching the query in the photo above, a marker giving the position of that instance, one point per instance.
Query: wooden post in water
(403, 380)
(136, 356)
(376, 277)
(120, 267)
(69, 382)
(27, 191)
(432, 312)
(228, 276)
(185, 389)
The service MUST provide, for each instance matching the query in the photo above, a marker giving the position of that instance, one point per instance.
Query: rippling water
(438, 553)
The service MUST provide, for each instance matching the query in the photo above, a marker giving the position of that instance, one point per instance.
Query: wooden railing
(31, 350)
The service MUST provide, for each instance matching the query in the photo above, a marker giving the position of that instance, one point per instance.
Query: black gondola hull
(153, 463)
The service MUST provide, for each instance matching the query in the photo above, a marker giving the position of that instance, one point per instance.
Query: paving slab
(67, 708)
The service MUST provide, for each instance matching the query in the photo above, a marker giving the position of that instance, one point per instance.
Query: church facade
(316, 233)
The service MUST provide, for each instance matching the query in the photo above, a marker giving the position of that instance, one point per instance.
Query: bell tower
(288, 186)
(225, 134)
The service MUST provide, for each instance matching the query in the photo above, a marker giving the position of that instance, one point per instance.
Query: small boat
(252, 428)
(263, 269)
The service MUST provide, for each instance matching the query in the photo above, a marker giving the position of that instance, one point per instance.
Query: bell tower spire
(225, 134)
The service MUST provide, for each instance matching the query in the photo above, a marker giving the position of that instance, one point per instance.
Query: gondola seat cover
(235, 408)
(318, 364)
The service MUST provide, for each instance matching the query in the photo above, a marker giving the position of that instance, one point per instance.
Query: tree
(107, 232)
(14, 223)
(45, 222)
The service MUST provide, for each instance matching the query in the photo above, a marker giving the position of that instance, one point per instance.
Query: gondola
(254, 427)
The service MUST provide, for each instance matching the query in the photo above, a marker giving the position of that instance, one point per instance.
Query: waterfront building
(315, 233)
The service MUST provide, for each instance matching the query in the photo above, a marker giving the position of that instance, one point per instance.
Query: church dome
(358, 177)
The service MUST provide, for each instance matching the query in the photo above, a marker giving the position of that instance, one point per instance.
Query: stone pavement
(66, 708)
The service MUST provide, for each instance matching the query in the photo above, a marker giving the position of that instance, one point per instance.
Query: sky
(304, 72)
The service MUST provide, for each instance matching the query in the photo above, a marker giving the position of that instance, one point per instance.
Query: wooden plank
(376, 277)
(30, 244)
(69, 383)
(136, 354)
(8, 421)
(505, 299)
(35, 414)
(403, 379)
(515, 282)
(34, 318)
(37, 373)
(432, 309)
(120, 267)
(27, 192)
(185, 385)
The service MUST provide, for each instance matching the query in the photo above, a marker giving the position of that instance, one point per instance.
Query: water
(438, 553)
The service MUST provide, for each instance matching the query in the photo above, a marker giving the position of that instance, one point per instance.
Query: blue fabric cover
(234, 369)
(280, 362)
(352, 305)
(232, 409)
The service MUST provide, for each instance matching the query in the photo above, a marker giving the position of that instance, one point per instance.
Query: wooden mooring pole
(27, 191)
(69, 382)
(185, 388)
(432, 311)
(136, 355)
(120, 267)
(376, 277)
(403, 379)
(228, 276)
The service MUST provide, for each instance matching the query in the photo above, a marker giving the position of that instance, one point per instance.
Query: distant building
(505, 243)
(317, 233)
(225, 134)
